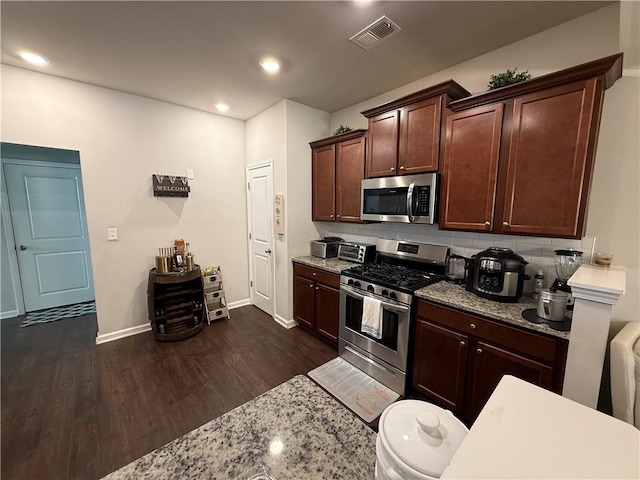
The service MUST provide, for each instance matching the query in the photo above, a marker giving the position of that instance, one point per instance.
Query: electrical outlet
(190, 173)
(112, 234)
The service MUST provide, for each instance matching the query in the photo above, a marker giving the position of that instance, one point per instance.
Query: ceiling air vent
(372, 35)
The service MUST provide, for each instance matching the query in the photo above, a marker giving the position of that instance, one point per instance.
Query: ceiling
(198, 53)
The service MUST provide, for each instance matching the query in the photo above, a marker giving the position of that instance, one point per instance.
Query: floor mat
(363, 395)
(58, 313)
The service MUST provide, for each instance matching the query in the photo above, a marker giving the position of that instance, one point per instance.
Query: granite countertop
(332, 265)
(295, 430)
(457, 297)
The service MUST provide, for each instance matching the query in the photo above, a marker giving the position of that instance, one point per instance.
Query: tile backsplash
(538, 251)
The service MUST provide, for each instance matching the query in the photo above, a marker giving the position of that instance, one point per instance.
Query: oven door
(394, 345)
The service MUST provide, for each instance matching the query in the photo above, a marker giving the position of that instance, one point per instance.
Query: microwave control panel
(422, 200)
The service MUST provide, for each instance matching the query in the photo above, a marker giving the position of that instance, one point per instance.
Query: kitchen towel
(372, 317)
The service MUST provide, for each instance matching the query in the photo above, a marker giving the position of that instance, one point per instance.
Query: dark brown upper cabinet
(519, 159)
(404, 135)
(337, 170)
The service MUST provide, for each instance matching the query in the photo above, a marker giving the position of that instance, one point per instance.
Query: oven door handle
(412, 218)
(389, 306)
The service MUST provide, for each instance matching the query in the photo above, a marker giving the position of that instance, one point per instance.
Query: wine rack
(176, 304)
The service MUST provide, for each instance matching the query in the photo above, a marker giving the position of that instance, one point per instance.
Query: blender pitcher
(566, 261)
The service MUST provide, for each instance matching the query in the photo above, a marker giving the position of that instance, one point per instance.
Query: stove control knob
(356, 284)
(393, 295)
(385, 293)
(370, 288)
(350, 281)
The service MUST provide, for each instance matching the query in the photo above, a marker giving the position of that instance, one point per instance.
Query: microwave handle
(412, 218)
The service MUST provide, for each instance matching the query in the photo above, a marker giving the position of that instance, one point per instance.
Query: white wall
(123, 139)
(266, 139)
(304, 124)
(282, 134)
(614, 208)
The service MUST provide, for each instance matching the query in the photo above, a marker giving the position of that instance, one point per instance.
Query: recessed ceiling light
(33, 58)
(222, 107)
(270, 64)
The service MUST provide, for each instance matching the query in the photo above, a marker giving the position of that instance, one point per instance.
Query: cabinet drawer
(529, 343)
(314, 274)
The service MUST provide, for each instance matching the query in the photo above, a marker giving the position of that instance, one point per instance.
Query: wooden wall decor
(170, 186)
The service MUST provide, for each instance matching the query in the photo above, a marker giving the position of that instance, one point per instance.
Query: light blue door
(50, 229)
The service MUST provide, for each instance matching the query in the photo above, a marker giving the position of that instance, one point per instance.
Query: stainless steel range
(376, 307)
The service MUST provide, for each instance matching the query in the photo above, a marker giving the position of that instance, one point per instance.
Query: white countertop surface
(527, 432)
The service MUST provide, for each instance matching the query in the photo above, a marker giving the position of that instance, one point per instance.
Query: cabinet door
(327, 302)
(323, 161)
(420, 136)
(470, 170)
(439, 366)
(382, 149)
(489, 364)
(303, 301)
(549, 164)
(349, 175)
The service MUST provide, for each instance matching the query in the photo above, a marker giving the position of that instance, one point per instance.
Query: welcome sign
(170, 186)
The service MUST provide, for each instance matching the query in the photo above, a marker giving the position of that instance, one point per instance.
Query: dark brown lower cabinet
(460, 358)
(316, 301)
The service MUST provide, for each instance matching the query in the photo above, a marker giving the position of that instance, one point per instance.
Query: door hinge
(248, 186)
(249, 235)
(251, 283)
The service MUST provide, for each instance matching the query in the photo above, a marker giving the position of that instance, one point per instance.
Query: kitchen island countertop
(295, 430)
(456, 296)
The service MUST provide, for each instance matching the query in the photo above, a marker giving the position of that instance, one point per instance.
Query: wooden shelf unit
(176, 304)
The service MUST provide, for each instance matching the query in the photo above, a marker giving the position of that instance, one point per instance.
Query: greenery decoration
(342, 129)
(507, 78)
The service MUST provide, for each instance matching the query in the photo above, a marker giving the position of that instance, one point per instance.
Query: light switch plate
(112, 234)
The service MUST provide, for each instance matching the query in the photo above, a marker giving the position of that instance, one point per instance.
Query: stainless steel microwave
(405, 199)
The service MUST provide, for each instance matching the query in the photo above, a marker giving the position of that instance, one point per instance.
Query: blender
(566, 262)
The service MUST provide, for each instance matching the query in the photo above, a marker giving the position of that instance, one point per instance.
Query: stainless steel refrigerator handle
(412, 218)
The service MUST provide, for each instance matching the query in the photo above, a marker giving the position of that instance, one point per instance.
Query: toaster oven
(356, 252)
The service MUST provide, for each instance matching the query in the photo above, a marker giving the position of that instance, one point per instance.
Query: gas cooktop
(393, 276)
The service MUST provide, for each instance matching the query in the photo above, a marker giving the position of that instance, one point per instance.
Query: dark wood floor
(71, 409)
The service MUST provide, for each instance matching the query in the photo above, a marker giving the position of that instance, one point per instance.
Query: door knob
(22, 247)
(268, 250)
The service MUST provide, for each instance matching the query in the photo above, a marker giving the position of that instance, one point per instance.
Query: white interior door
(260, 201)
(50, 230)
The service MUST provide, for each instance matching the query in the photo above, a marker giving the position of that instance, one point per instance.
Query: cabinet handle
(479, 351)
(317, 288)
(401, 167)
(338, 216)
(393, 169)
(311, 286)
(314, 273)
(472, 326)
(462, 344)
(505, 224)
(487, 223)
(331, 216)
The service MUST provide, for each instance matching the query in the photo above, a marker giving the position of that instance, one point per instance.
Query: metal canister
(190, 262)
(163, 264)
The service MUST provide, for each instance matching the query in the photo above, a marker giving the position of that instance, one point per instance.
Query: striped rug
(58, 313)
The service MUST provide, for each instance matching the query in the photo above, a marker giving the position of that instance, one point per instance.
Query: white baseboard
(285, 323)
(9, 314)
(127, 332)
(238, 304)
